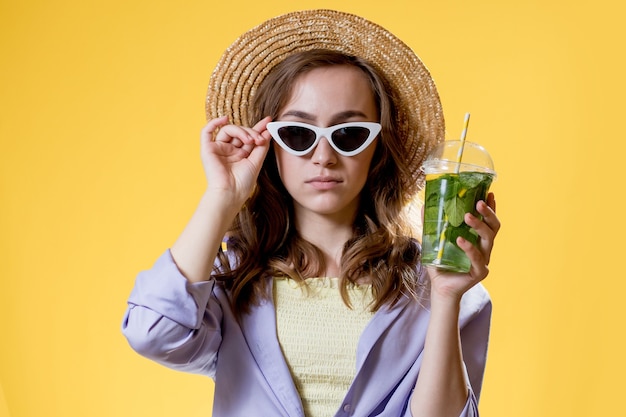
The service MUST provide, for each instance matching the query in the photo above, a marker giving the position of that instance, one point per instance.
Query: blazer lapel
(391, 345)
(259, 329)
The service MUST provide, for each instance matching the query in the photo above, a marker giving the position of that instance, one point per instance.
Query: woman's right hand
(232, 157)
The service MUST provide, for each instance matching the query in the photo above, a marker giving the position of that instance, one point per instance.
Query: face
(324, 182)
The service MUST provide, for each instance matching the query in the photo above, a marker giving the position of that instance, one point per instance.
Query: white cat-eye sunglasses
(348, 139)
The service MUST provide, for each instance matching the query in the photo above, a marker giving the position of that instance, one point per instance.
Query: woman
(319, 305)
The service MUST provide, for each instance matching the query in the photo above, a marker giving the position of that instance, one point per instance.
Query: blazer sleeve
(474, 322)
(172, 321)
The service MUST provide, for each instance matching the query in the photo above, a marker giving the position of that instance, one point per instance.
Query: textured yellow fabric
(318, 334)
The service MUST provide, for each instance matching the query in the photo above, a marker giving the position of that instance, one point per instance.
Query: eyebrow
(337, 118)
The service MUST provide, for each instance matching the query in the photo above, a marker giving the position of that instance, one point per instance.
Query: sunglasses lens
(350, 138)
(297, 138)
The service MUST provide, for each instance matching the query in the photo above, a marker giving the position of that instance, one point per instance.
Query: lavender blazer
(192, 328)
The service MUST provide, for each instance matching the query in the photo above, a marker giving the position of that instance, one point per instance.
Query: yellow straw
(459, 157)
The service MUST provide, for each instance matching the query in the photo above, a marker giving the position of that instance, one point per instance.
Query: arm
(442, 387)
(173, 316)
(172, 321)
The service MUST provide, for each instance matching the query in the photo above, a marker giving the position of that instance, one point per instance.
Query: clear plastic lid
(444, 158)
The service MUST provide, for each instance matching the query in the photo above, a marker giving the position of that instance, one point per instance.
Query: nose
(324, 154)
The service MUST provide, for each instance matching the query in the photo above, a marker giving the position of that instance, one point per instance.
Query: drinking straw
(459, 157)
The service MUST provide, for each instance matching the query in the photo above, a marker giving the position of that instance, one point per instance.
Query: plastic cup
(452, 189)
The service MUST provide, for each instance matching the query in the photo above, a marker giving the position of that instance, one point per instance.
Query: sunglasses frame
(326, 132)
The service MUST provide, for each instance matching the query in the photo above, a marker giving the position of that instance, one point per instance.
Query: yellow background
(101, 106)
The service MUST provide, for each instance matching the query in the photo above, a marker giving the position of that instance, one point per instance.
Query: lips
(324, 182)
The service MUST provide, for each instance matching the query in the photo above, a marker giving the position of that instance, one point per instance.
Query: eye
(350, 138)
(297, 137)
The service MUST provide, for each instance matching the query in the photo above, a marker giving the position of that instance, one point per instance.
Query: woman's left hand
(452, 286)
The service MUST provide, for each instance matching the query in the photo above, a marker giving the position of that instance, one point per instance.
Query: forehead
(332, 89)
(332, 74)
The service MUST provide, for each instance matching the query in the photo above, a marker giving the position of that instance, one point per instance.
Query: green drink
(453, 189)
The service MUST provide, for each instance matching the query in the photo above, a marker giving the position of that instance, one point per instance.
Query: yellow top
(318, 334)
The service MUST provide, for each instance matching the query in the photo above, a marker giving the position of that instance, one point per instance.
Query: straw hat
(250, 58)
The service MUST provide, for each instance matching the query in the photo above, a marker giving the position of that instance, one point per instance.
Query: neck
(329, 235)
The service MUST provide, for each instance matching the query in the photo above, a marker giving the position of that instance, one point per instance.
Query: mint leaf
(433, 188)
(469, 199)
(471, 179)
(455, 210)
(464, 231)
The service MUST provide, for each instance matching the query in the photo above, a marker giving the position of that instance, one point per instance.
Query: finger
(261, 125)
(479, 268)
(484, 230)
(236, 142)
(259, 152)
(250, 143)
(489, 215)
(261, 128)
(212, 126)
(486, 235)
(491, 201)
(237, 135)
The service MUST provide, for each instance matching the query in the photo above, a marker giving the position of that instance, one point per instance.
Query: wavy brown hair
(263, 241)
